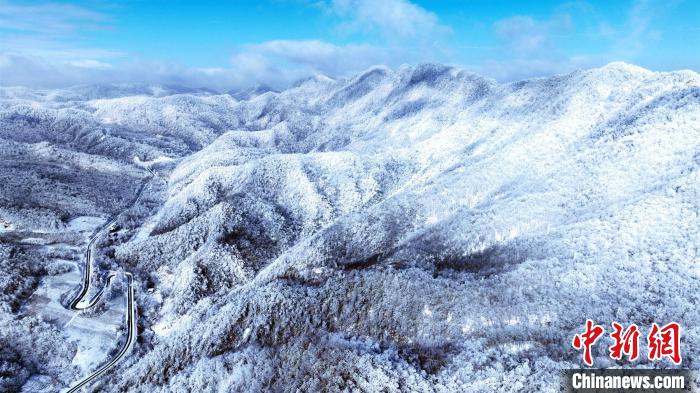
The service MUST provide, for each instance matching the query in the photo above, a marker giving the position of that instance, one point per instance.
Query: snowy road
(76, 305)
(131, 334)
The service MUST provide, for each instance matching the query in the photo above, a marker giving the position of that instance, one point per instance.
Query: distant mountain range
(418, 229)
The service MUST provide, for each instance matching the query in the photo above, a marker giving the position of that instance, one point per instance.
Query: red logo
(662, 342)
(586, 339)
(626, 343)
(665, 341)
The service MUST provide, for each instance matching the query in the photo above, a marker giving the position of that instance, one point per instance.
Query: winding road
(78, 303)
(87, 272)
(131, 335)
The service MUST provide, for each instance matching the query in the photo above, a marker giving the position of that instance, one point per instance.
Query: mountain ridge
(96, 91)
(474, 183)
(417, 229)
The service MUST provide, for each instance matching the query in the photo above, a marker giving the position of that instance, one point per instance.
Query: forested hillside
(418, 229)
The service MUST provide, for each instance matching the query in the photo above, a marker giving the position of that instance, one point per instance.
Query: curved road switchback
(78, 304)
(131, 335)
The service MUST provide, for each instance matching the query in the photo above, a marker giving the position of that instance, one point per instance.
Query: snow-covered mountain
(419, 229)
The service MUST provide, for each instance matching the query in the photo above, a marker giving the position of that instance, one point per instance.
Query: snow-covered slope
(423, 229)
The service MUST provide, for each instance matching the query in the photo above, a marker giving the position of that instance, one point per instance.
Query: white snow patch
(85, 223)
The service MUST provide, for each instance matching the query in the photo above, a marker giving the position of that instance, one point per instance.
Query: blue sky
(228, 45)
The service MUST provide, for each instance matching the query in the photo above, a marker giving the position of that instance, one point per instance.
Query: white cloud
(526, 36)
(313, 55)
(89, 63)
(52, 49)
(52, 55)
(534, 51)
(394, 19)
(42, 46)
(272, 63)
(36, 71)
(638, 32)
(49, 18)
(528, 46)
(532, 48)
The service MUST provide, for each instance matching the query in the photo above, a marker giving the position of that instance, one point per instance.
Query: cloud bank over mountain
(58, 45)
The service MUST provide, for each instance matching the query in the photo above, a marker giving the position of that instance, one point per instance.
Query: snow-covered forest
(412, 230)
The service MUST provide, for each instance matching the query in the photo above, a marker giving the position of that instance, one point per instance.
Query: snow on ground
(85, 225)
(147, 227)
(423, 229)
(148, 163)
(34, 240)
(426, 229)
(6, 226)
(95, 336)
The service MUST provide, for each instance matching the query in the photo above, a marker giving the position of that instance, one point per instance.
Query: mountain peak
(621, 66)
